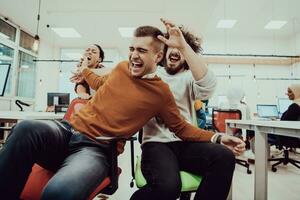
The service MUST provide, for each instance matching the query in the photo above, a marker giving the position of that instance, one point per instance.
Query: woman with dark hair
(293, 111)
(95, 56)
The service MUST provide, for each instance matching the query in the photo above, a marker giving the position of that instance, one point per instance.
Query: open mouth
(136, 64)
(174, 57)
(89, 58)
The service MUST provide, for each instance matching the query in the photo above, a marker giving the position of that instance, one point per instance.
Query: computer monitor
(283, 104)
(209, 110)
(4, 72)
(267, 111)
(56, 98)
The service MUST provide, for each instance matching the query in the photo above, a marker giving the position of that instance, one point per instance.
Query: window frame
(15, 65)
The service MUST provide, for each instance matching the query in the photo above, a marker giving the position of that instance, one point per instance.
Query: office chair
(40, 176)
(285, 143)
(20, 103)
(218, 122)
(190, 182)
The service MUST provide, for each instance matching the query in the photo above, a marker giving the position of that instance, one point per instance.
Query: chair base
(243, 163)
(285, 160)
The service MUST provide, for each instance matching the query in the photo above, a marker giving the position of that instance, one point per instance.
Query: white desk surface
(262, 128)
(286, 128)
(271, 123)
(17, 115)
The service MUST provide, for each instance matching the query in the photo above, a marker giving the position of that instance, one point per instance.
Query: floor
(282, 185)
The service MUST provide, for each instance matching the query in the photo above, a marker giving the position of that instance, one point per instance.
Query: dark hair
(101, 54)
(149, 31)
(193, 41)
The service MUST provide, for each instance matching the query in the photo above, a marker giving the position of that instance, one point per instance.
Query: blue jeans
(79, 163)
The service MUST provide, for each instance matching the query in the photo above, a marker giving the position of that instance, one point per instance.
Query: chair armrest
(5, 128)
(113, 160)
(115, 139)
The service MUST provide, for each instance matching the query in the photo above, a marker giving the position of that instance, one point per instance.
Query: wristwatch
(218, 140)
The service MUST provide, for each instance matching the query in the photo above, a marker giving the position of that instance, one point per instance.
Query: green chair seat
(189, 181)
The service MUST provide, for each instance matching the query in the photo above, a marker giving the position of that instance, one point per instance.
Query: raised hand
(176, 39)
(83, 63)
(236, 145)
(76, 77)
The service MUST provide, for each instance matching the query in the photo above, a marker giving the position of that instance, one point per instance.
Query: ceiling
(98, 20)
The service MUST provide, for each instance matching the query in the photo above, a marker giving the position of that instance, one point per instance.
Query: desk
(262, 128)
(17, 115)
(14, 116)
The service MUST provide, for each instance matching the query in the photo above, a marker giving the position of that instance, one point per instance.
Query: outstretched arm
(94, 80)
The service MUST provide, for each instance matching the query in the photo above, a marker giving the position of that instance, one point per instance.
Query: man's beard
(175, 70)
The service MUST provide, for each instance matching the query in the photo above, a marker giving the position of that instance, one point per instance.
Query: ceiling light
(126, 32)
(275, 24)
(226, 23)
(66, 32)
(36, 42)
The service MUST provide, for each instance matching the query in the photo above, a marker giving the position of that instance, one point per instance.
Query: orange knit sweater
(124, 104)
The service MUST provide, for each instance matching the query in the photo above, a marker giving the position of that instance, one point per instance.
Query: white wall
(259, 91)
(48, 73)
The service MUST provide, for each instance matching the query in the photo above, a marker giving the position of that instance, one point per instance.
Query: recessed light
(66, 32)
(226, 23)
(275, 24)
(126, 32)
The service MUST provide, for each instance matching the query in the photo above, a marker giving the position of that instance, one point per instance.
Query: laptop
(209, 110)
(267, 112)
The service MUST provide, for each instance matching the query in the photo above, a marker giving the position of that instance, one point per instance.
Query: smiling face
(174, 61)
(290, 94)
(93, 55)
(143, 56)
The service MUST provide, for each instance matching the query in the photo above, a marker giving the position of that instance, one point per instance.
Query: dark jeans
(80, 163)
(161, 163)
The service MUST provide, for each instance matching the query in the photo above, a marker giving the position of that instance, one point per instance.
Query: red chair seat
(38, 179)
(36, 182)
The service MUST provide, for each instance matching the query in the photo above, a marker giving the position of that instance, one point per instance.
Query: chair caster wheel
(274, 169)
(249, 171)
(131, 184)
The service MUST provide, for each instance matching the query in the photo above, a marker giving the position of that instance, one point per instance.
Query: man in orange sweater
(70, 150)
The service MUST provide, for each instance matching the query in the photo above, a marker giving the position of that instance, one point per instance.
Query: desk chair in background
(286, 143)
(190, 182)
(218, 122)
(40, 176)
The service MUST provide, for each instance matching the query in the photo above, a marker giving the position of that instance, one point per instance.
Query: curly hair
(193, 41)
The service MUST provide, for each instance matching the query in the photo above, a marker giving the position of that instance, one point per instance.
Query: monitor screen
(209, 110)
(56, 98)
(267, 111)
(283, 104)
(4, 72)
